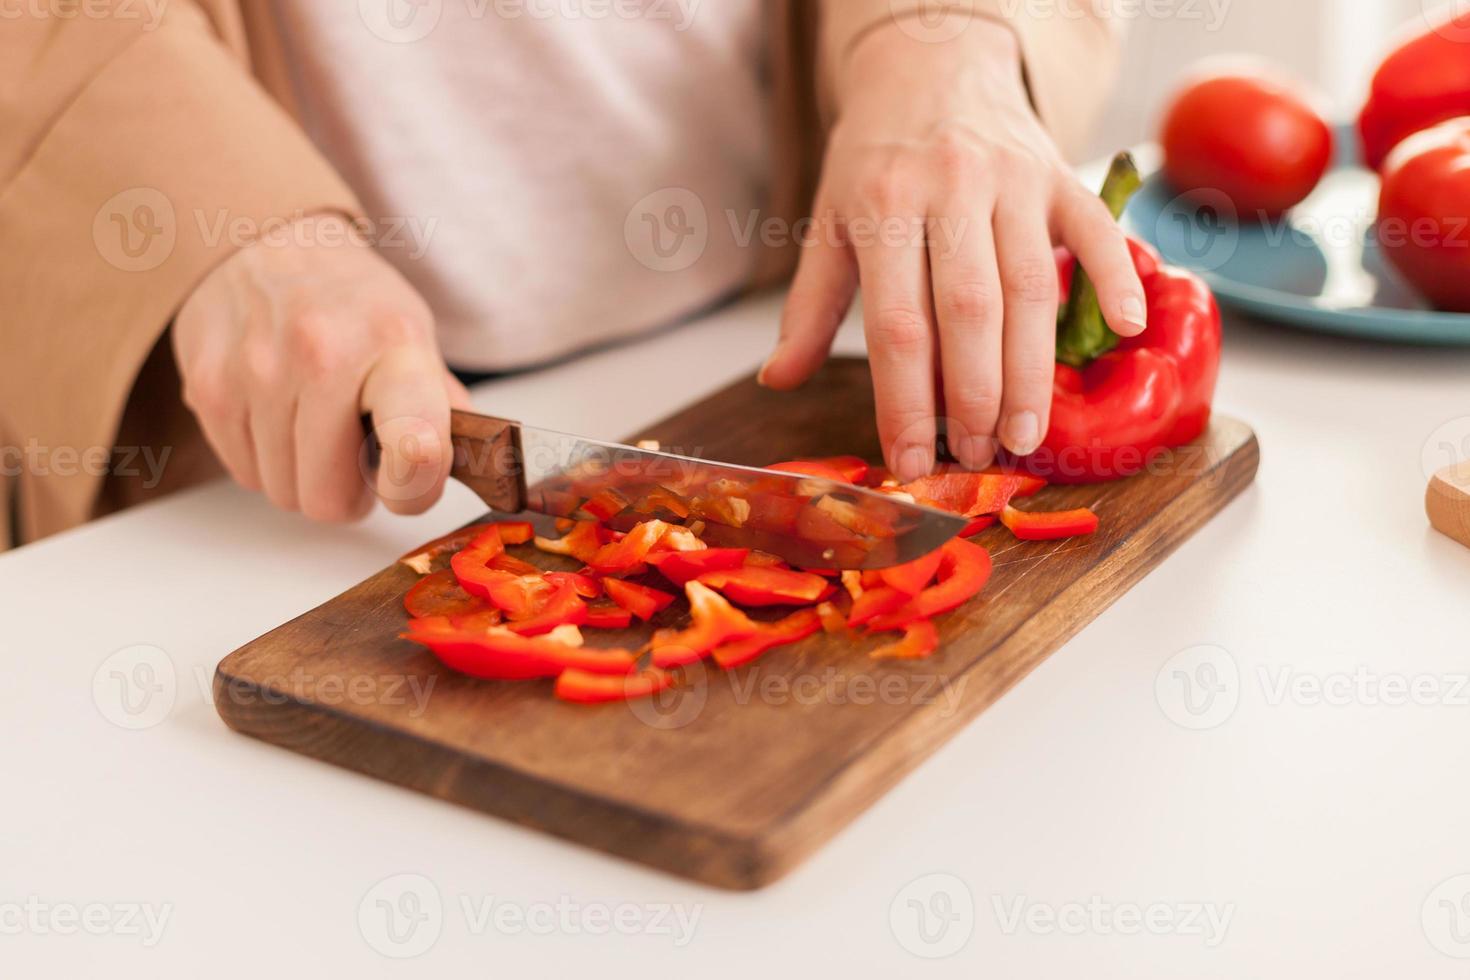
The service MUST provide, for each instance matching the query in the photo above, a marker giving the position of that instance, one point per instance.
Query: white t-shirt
(550, 174)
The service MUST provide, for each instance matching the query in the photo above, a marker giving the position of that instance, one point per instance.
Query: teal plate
(1320, 268)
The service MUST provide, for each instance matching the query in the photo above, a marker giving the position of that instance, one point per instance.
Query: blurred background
(1333, 44)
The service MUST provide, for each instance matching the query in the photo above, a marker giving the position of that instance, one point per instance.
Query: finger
(899, 322)
(1088, 229)
(1028, 274)
(409, 403)
(226, 428)
(821, 294)
(969, 304)
(329, 437)
(273, 431)
(459, 395)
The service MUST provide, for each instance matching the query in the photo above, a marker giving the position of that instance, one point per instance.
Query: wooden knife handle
(487, 458)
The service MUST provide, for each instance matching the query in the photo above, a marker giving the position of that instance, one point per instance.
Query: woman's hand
(286, 345)
(943, 194)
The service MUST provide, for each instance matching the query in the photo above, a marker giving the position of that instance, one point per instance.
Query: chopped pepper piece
(911, 577)
(681, 567)
(1035, 526)
(640, 600)
(500, 654)
(798, 626)
(963, 572)
(755, 585)
(562, 607)
(715, 622)
(920, 638)
(585, 687)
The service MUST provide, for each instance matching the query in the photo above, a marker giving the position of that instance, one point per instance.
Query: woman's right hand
(283, 348)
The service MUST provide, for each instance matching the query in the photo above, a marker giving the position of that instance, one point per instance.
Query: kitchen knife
(807, 521)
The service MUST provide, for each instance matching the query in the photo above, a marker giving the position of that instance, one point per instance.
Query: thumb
(821, 294)
(406, 396)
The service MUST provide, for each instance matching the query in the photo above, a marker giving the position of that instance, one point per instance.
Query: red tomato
(1423, 82)
(1424, 210)
(1251, 137)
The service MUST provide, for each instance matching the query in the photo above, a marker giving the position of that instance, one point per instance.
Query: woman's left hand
(942, 194)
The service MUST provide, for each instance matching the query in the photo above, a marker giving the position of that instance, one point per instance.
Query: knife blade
(807, 521)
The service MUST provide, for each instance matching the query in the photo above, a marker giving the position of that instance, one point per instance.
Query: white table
(1312, 827)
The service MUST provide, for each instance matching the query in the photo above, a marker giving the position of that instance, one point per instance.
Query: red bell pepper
(427, 557)
(583, 541)
(920, 638)
(798, 626)
(715, 622)
(911, 577)
(585, 585)
(640, 600)
(681, 567)
(1118, 403)
(1422, 210)
(758, 586)
(606, 504)
(832, 619)
(978, 524)
(838, 469)
(500, 654)
(1421, 84)
(1036, 526)
(562, 607)
(963, 572)
(586, 687)
(622, 557)
(608, 615)
(972, 494)
(875, 602)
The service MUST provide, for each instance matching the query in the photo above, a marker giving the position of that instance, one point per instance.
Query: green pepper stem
(1082, 333)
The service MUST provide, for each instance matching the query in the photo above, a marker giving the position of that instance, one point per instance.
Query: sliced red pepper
(920, 639)
(514, 565)
(798, 626)
(963, 572)
(874, 519)
(622, 556)
(911, 577)
(1035, 526)
(562, 607)
(972, 494)
(584, 687)
(581, 542)
(715, 622)
(820, 469)
(608, 616)
(502, 655)
(606, 504)
(978, 524)
(755, 585)
(430, 557)
(662, 498)
(777, 512)
(440, 594)
(518, 596)
(585, 585)
(471, 564)
(640, 600)
(881, 601)
(682, 567)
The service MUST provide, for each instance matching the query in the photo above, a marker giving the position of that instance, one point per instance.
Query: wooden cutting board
(735, 779)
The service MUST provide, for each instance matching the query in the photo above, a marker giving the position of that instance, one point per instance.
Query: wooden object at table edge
(734, 855)
(1447, 501)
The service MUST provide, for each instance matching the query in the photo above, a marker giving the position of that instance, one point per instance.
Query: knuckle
(954, 154)
(970, 301)
(977, 406)
(900, 330)
(261, 364)
(206, 394)
(886, 189)
(394, 329)
(316, 345)
(1031, 281)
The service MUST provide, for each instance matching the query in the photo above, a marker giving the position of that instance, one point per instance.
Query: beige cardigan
(123, 121)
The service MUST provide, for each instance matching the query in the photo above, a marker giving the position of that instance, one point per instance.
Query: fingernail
(914, 462)
(1021, 432)
(978, 452)
(760, 377)
(1134, 312)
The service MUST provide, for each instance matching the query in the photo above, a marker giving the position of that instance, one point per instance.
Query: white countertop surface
(1086, 825)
